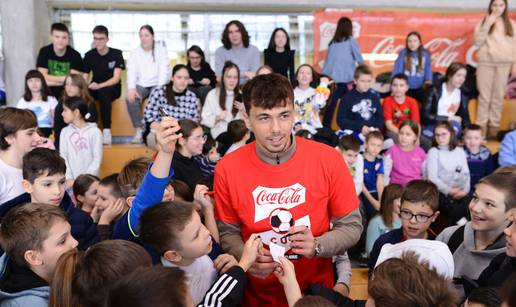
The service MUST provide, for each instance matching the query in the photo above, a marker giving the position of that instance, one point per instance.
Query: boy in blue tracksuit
(360, 110)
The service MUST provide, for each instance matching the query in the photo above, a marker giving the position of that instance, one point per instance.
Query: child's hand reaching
(112, 212)
(224, 262)
(286, 275)
(250, 253)
(167, 134)
(200, 196)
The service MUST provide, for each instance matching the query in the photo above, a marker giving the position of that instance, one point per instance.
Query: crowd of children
(438, 215)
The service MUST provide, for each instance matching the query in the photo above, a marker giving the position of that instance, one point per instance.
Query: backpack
(456, 239)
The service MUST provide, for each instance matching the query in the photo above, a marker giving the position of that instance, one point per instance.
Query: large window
(178, 31)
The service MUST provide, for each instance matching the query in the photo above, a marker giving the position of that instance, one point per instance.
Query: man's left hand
(302, 241)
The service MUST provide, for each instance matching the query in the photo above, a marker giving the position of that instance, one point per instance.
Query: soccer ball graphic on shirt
(281, 220)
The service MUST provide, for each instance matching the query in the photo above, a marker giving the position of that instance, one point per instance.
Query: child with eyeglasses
(419, 209)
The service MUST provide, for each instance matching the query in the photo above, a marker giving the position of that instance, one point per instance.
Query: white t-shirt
(449, 103)
(44, 110)
(10, 182)
(201, 274)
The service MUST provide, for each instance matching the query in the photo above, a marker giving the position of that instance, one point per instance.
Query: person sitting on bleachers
(106, 65)
(237, 49)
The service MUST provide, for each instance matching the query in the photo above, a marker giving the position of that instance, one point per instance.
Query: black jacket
(429, 110)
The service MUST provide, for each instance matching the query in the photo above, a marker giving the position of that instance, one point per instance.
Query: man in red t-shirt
(281, 185)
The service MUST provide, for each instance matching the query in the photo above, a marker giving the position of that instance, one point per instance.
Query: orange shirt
(313, 186)
(398, 113)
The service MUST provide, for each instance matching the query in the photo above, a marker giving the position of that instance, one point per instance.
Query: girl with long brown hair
(414, 61)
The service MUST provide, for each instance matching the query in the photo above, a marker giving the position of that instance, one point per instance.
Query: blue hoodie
(33, 297)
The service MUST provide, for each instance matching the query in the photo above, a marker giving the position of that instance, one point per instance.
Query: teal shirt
(377, 228)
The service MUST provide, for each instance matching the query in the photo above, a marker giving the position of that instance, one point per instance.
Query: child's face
(234, 35)
(213, 155)
(399, 88)
(193, 144)
(91, 196)
(487, 208)
(364, 83)
(457, 80)
(68, 114)
(59, 39)
(510, 235)
(146, 38)
(194, 58)
(374, 146)
(473, 139)
(47, 189)
(350, 156)
(406, 137)
(280, 39)
(169, 193)
(23, 141)
(442, 136)
(58, 242)
(34, 84)
(413, 228)
(413, 42)
(180, 80)
(70, 88)
(231, 79)
(195, 239)
(304, 76)
(104, 197)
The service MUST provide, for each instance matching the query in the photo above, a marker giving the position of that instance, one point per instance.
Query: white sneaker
(137, 138)
(106, 136)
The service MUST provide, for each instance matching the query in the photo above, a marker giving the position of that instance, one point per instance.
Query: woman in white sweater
(223, 103)
(148, 67)
(447, 167)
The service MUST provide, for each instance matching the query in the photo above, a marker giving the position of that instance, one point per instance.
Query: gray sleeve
(344, 234)
(446, 234)
(343, 265)
(231, 238)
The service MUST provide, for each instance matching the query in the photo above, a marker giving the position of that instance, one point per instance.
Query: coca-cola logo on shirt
(267, 199)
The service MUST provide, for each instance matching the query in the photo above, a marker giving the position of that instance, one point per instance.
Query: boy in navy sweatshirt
(480, 160)
(360, 110)
(45, 183)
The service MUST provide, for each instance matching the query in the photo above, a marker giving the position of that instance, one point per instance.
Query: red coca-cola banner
(381, 35)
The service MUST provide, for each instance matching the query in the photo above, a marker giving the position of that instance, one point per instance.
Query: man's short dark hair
(160, 225)
(59, 26)
(421, 191)
(101, 30)
(41, 161)
(267, 92)
(111, 181)
(237, 130)
(349, 142)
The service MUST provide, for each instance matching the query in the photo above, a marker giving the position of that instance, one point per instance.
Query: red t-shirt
(396, 112)
(310, 188)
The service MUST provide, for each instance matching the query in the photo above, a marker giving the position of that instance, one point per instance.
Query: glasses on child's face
(202, 138)
(420, 218)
